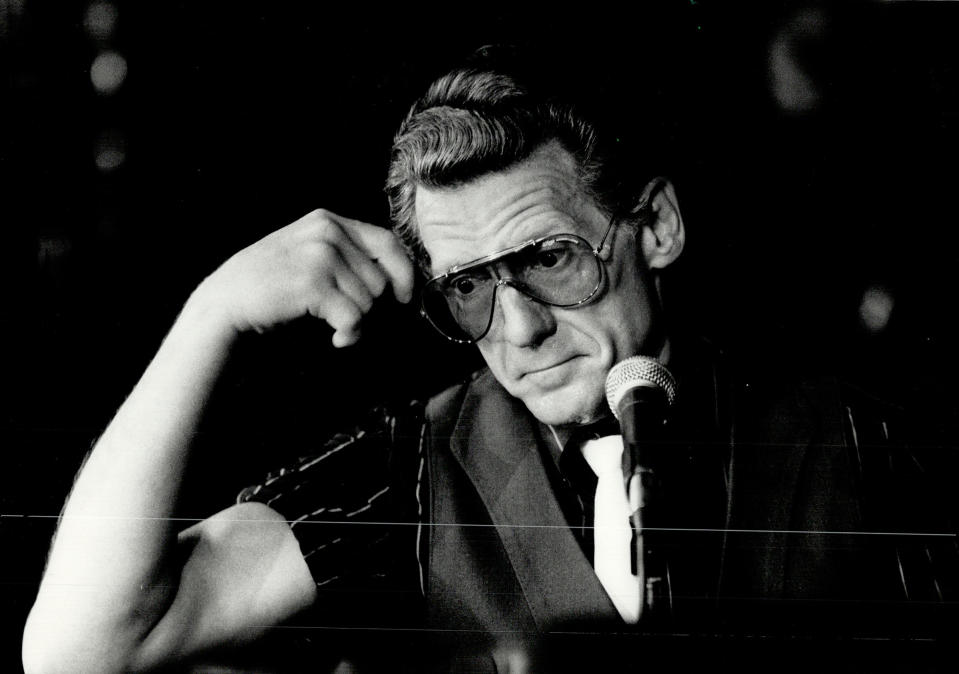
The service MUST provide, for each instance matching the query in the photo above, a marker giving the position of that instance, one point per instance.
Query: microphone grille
(638, 371)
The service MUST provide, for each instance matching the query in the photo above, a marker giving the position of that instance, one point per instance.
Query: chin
(568, 406)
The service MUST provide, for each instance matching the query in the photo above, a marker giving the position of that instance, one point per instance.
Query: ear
(664, 236)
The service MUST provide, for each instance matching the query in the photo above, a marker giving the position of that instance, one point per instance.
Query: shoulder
(451, 399)
(444, 409)
(783, 401)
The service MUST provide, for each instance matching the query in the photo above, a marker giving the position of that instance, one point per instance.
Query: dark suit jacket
(790, 509)
(779, 494)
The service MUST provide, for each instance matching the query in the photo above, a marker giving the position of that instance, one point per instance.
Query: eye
(547, 258)
(464, 285)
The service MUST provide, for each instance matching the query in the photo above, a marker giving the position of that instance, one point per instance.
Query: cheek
(622, 322)
(494, 354)
(489, 352)
(618, 328)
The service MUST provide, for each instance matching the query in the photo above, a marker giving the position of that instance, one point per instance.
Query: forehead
(538, 197)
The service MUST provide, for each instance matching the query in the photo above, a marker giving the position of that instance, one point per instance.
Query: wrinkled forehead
(462, 245)
(540, 197)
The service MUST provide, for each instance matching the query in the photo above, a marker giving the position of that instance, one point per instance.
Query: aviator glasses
(560, 270)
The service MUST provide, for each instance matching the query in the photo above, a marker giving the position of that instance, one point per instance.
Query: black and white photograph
(479, 338)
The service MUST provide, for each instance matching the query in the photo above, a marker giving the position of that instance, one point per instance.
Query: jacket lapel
(495, 442)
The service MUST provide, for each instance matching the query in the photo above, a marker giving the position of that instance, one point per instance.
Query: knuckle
(326, 254)
(378, 285)
(317, 279)
(344, 315)
(376, 290)
(318, 254)
(361, 296)
(320, 224)
(394, 243)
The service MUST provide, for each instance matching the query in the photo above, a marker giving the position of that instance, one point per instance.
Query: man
(545, 245)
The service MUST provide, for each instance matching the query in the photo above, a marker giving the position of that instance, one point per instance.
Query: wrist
(204, 319)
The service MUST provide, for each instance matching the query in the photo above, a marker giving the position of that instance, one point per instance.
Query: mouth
(546, 370)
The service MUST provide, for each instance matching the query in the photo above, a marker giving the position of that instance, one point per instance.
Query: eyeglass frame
(493, 257)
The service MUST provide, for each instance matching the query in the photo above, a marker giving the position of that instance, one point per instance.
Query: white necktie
(612, 534)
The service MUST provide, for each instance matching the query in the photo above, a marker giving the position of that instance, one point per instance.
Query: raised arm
(119, 592)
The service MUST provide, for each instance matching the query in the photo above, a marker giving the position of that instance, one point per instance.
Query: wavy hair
(479, 120)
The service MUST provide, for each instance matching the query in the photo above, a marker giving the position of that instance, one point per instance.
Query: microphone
(640, 391)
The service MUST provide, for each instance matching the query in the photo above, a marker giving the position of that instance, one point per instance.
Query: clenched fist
(323, 265)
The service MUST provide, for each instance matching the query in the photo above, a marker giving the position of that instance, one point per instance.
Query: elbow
(50, 646)
(39, 651)
(30, 657)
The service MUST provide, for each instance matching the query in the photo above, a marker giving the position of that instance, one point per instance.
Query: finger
(351, 285)
(399, 268)
(341, 314)
(385, 248)
(363, 265)
(336, 231)
(343, 338)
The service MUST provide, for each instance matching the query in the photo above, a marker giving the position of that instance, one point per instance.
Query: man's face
(555, 360)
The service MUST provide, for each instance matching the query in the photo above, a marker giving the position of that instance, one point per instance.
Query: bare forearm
(114, 571)
(109, 570)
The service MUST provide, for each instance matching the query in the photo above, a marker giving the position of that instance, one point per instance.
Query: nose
(520, 320)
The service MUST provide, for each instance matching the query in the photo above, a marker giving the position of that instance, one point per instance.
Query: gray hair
(477, 121)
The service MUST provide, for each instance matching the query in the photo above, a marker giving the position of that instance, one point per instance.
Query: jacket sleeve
(355, 508)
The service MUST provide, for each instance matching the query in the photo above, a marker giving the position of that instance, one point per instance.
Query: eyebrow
(497, 255)
(577, 228)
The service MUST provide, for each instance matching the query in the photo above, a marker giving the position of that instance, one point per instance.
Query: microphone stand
(652, 571)
(643, 489)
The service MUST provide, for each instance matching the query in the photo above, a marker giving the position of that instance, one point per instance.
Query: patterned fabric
(900, 501)
(356, 506)
(822, 481)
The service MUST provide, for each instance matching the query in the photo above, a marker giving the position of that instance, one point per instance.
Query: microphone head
(638, 371)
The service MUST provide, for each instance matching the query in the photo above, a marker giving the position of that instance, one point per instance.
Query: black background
(238, 119)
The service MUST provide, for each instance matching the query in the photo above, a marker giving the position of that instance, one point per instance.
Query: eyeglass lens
(560, 271)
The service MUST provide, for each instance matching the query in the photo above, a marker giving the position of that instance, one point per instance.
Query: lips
(540, 370)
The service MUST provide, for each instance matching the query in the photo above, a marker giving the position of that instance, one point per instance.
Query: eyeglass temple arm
(609, 228)
(654, 185)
